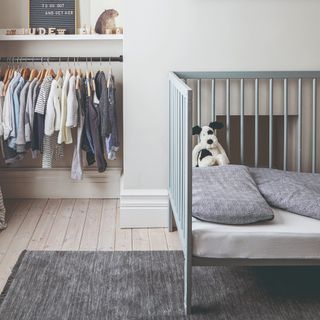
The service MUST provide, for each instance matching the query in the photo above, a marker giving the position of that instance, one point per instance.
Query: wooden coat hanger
(59, 73)
(88, 79)
(33, 73)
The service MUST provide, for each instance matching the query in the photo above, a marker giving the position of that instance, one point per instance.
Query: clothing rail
(60, 59)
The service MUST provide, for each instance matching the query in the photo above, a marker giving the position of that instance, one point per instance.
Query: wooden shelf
(69, 37)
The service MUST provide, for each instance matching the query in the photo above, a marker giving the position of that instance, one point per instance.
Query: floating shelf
(68, 37)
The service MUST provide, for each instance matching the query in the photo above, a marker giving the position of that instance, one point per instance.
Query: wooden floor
(72, 224)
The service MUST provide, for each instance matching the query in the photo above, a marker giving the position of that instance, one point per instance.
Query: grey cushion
(295, 192)
(228, 195)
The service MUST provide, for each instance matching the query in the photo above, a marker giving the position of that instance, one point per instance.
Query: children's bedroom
(159, 160)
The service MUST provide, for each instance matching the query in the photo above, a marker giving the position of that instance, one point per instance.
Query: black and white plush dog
(208, 152)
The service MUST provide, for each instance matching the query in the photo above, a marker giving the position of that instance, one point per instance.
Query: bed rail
(180, 162)
(180, 170)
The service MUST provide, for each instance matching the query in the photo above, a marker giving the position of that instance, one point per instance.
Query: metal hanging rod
(60, 59)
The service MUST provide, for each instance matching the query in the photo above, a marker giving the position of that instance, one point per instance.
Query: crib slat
(170, 135)
(285, 124)
(199, 102)
(299, 146)
(314, 125)
(213, 99)
(242, 121)
(256, 134)
(175, 143)
(270, 123)
(179, 153)
(228, 115)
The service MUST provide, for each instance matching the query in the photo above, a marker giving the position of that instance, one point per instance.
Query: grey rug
(149, 285)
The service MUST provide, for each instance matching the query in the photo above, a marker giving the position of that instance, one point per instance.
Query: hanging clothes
(72, 104)
(76, 167)
(87, 141)
(1, 116)
(1, 107)
(21, 140)
(16, 113)
(95, 126)
(29, 112)
(65, 135)
(112, 141)
(39, 114)
(8, 116)
(107, 104)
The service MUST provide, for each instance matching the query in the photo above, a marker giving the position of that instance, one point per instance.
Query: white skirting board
(143, 208)
(56, 183)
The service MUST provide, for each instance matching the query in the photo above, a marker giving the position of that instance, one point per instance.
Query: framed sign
(53, 15)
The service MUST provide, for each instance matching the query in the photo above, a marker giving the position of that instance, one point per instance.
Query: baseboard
(56, 183)
(143, 208)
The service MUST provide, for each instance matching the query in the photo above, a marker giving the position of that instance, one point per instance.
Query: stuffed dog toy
(208, 152)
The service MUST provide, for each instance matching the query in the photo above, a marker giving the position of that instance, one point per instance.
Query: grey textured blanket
(227, 195)
(294, 192)
(3, 224)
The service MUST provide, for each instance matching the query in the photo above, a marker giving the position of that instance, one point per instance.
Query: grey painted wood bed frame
(180, 150)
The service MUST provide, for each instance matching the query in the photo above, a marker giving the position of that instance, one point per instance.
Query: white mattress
(288, 236)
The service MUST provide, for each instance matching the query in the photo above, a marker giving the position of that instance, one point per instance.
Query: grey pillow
(227, 195)
(295, 192)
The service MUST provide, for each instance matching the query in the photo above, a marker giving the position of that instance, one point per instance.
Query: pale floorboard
(42, 231)
(123, 240)
(140, 240)
(173, 240)
(90, 235)
(72, 224)
(61, 222)
(74, 232)
(157, 240)
(107, 233)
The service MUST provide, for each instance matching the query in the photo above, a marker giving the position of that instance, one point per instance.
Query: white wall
(200, 35)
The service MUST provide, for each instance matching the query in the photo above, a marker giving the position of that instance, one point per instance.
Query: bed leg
(187, 286)
(171, 218)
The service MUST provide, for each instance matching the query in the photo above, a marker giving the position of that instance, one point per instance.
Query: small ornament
(84, 30)
(119, 31)
(106, 21)
(61, 31)
(11, 32)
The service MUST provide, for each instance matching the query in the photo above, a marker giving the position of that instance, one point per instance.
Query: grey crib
(288, 90)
